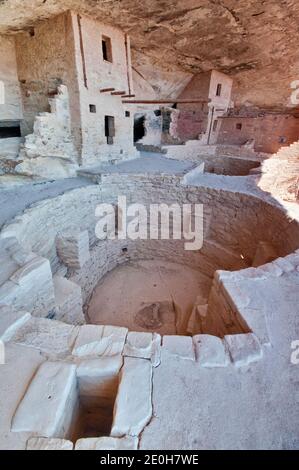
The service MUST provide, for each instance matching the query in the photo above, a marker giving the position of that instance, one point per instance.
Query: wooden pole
(164, 101)
(106, 90)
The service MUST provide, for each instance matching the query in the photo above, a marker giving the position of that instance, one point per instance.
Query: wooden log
(106, 90)
(165, 101)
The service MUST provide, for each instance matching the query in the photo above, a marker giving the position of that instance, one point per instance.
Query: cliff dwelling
(149, 225)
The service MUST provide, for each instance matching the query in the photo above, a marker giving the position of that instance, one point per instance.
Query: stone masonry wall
(270, 132)
(46, 59)
(11, 109)
(234, 224)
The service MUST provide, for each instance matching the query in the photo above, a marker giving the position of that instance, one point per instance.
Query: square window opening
(238, 126)
(92, 108)
(127, 114)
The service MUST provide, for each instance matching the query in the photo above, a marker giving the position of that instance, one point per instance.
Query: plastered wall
(95, 74)
(10, 106)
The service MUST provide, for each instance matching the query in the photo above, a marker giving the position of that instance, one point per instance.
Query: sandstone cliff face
(256, 41)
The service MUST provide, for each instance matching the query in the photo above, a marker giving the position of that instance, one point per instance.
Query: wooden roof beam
(106, 90)
(165, 101)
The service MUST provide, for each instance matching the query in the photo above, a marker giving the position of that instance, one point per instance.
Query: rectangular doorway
(109, 129)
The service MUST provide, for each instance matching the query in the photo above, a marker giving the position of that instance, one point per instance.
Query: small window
(215, 124)
(9, 129)
(32, 32)
(218, 90)
(92, 108)
(107, 49)
(127, 114)
(282, 140)
(109, 129)
(238, 126)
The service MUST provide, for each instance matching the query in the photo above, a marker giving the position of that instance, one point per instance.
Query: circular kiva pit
(149, 295)
(150, 285)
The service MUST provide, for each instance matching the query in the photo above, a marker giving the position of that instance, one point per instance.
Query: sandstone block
(44, 406)
(108, 443)
(144, 345)
(133, 406)
(53, 338)
(10, 321)
(94, 340)
(44, 443)
(68, 298)
(244, 349)
(73, 248)
(26, 282)
(180, 346)
(210, 351)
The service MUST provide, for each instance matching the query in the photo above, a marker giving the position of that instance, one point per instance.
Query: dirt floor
(153, 296)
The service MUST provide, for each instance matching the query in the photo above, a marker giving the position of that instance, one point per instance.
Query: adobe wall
(195, 119)
(94, 74)
(11, 109)
(46, 60)
(191, 124)
(265, 130)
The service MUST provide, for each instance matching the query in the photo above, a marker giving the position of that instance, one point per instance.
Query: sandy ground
(122, 296)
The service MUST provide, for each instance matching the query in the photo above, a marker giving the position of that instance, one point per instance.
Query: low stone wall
(100, 366)
(234, 225)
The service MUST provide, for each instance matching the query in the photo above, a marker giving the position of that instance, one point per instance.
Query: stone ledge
(10, 321)
(108, 443)
(210, 351)
(53, 338)
(44, 443)
(179, 346)
(48, 401)
(143, 345)
(133, 405)
(244, 349)
(98, 340)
